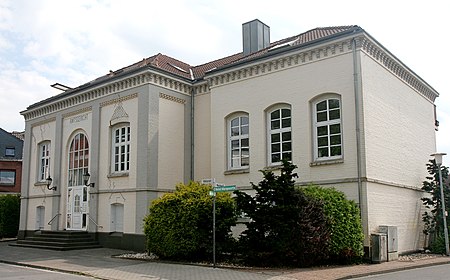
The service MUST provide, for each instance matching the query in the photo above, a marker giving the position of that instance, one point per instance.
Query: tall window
(44, 160)
(121, 149)
(238, 143)
(280, 136)
(327, 129)
(78, 159)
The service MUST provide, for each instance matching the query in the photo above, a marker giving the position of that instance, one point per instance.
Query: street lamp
(438, 160)
(86, 177)
(49, 181)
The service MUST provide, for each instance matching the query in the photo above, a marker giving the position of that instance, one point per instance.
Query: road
(14, 272)
(438, 272)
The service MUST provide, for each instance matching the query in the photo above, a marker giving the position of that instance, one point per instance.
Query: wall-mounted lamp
(86, 177)
(49, 181)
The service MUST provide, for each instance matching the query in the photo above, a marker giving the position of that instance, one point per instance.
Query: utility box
(378, 243)
(392, 241)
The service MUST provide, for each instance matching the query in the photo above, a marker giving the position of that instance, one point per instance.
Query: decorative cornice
(77, 112)
(109, 88)
(117, 100)
(397, 68)
(278, 63)
(172, 98)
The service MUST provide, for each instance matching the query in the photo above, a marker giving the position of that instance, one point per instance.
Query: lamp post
(438, 160)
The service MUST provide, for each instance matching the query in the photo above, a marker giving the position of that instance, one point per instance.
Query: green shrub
(347, 237)
(179, 225)
(286, 227)
(9, 215)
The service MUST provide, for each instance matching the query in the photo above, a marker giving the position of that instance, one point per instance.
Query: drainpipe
(357, 91)
(192, 134)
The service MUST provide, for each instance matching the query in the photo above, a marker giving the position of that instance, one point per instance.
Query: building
(10, 163)
(333, 100)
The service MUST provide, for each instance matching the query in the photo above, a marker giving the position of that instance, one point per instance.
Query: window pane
(321, 117)
(235, 153)
(244, 142)
(275, 124)
(244, 130)
(275, 138)
(276, 148)
(321, 106)
(335, 128)
(245, 161)
(335, 140)
(234, 144)
(276, 157)
(275, 115)
(336, 151)
(333, 103)
(323, 152)
(322, 130)
(234, 131)
(322, 141)
(7, 177)
(235, 122)
(335, 114)
(286, 136)
(287, 146)
(10, 152)
(285, 113)
(287, 156)
(286, 123)
(244, 120)
(245, 152)
(117, 136)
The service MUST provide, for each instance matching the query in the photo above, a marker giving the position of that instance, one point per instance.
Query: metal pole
(444, 216)
(214, 231)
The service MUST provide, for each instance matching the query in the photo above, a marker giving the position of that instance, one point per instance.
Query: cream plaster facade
(179, 132)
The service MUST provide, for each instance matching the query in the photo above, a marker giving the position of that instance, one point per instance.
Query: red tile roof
(186, 71)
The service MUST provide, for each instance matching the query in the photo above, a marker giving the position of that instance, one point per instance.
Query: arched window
(279, 135)
(327, 129)
(238, 142)
(120, 148)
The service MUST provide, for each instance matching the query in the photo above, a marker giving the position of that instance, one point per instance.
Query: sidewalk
(99, 263)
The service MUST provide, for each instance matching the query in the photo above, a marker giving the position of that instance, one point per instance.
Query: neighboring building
(333, 100)
(11, 149)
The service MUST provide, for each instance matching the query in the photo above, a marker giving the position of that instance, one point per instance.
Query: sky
(43, 42)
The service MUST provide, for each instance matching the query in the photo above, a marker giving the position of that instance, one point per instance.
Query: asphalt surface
(101, 264)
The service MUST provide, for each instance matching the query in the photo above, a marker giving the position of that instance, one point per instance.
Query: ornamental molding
(118, 100)
(280, 63)
(77, 112)
(172, 98)
(107, 89)
(397, 68)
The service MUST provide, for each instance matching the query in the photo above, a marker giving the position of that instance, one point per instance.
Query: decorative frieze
(118, 100)
(172, 98)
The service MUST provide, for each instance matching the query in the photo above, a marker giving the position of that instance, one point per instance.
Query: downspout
(357, 91)
(192, 134)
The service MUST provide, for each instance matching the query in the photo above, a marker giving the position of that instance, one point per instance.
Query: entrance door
(78, 193)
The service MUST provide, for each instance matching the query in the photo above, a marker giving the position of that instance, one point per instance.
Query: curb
(393, 270)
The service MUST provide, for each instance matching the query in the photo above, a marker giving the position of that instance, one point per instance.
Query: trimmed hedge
(347, 237)
(179, 225)
(9, 215)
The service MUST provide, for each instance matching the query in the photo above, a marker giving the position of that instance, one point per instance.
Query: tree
(432, 217)
(179, 225)
(286, 227)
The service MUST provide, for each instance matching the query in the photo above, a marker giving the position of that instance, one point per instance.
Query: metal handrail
(89, 216)
(54, 217)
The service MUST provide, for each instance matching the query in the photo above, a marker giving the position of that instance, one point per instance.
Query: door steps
(59, 240)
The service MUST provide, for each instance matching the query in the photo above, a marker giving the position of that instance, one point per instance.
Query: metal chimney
(255, 36)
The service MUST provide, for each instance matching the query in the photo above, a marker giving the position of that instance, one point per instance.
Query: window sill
(118, 175)
(326, 162)
(273, 167)
(40, 183)
(237, 171)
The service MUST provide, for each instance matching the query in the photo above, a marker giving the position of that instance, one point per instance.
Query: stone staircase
(59, 240)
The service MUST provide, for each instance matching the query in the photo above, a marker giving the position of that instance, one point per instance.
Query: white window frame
(242, 159)
(282, 132)
(120, 148)
(330, 131)
(44, 160)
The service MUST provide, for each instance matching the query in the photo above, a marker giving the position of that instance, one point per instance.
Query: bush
(179, 225)
(347, 237)
(9, 215)
(286, 227)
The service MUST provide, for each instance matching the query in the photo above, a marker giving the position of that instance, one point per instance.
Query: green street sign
(225, 188)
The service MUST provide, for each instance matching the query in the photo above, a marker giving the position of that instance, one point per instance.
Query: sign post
(216, 188)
